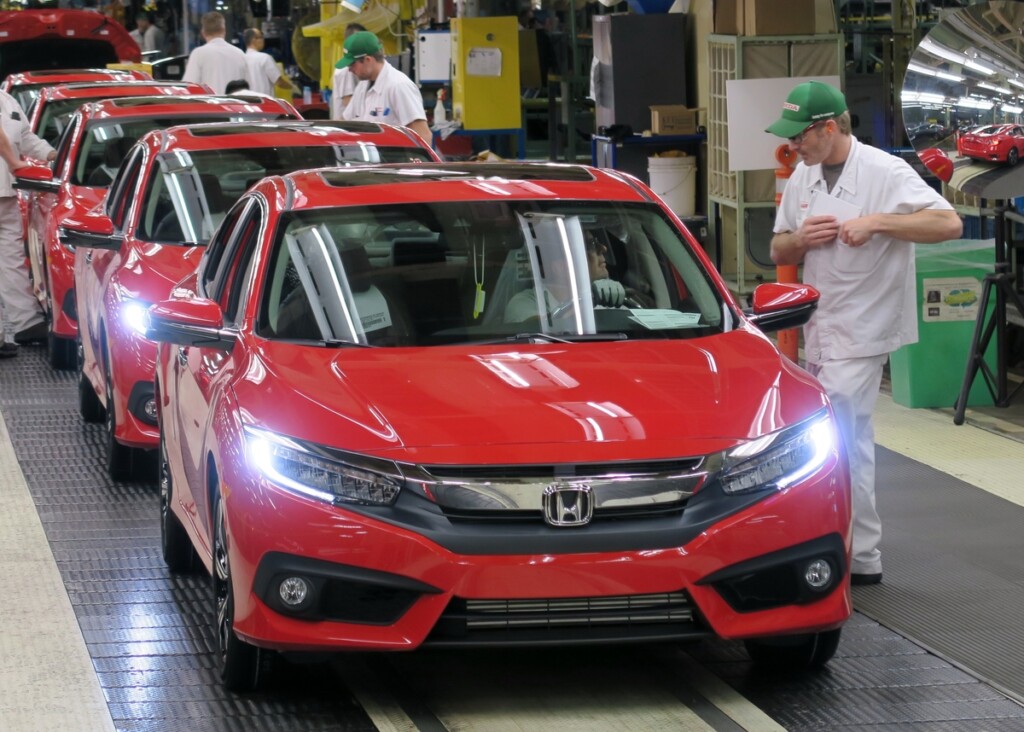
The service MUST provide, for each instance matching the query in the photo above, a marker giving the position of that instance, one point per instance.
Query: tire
(1012, 157)
(240, 662)
(61, 352)
(795, 653)
(120, 458)
(174, 542)
(89, 405)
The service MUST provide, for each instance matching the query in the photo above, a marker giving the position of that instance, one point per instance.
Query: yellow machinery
(485, 73)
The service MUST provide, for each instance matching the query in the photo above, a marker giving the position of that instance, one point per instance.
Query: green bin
(950, 277)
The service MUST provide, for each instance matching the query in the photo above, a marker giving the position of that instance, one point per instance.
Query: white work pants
(852, 385)
(20, 307)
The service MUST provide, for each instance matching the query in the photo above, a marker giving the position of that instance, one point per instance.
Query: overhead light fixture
(993, 87)
(1016, 82)
(1011, 109)
(980, 67)
(924, 97)
(936, 49)
(928, 71)
(975, 103)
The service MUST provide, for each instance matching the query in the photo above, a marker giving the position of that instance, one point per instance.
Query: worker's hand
(856, 232)
(818, 231)
(609, 293)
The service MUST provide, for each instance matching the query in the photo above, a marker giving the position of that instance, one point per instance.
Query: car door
(202, 374)
(93, 267)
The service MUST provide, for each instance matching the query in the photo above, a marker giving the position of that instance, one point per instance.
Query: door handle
(182, 358)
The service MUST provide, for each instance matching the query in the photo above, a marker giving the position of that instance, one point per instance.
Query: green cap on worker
(809, 102)
(357, 45)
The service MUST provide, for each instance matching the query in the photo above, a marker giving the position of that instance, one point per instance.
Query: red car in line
(490, 404)
(996, 143)
(89, 153)
(25, 86)
(54, 106)
(169, 196)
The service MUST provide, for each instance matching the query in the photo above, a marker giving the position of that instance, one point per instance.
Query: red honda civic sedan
(170, 194)
(490, 404)
(25, 86)
(997, 143)
(89, 152)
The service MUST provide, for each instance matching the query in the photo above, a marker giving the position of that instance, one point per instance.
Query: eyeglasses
(798, 139)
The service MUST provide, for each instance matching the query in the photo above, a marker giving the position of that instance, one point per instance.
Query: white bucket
(675, 181)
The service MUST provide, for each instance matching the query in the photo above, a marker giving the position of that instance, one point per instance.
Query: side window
(236, 267)
(222, 242)
(122, 191)
(64, 148)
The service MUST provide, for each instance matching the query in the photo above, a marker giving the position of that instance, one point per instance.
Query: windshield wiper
(548, 338)
(339, 343)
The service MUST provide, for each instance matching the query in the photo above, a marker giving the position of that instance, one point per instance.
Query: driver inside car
(606, 292)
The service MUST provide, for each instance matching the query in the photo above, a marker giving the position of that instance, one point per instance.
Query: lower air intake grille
(567, 620)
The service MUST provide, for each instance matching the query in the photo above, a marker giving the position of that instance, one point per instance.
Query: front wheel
(1012, 157)
(240, 662)
(61, 351)
(795, 653)
(174, 542)
(89, 404)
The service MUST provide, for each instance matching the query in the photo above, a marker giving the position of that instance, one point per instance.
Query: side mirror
(190, 322)
(95, 230)
(778, 306)
(35, 177)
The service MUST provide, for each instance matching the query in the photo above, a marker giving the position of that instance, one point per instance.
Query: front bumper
(377, 586)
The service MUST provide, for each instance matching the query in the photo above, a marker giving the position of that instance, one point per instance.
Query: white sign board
(752, 105)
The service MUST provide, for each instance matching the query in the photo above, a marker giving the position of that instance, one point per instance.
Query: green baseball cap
(808, 103)
(357, 45)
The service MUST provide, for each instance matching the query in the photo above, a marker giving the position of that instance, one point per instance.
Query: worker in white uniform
(264, 73)
(147, 34)
(343, 84)
(22, 318)
(216, 62)
(851, 213)
(384, 94)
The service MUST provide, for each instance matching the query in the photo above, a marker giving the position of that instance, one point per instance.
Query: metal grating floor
(149, 634)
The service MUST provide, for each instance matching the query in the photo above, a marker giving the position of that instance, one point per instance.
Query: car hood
(550, 403)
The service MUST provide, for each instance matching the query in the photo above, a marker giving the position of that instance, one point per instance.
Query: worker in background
(216, 62)
(851, 214)
(21, 317)
(264, 73)
(384, 93)
(147, 34)
(344, 83)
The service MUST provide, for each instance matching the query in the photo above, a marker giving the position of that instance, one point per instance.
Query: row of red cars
(369, 447)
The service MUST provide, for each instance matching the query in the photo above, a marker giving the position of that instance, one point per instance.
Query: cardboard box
(673, 119)
(778, 17)
(766, 17)
(729, 17)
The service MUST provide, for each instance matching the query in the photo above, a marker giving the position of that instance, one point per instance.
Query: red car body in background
(168, 197)
(377, 434)
(995, 143)
(35, 39)
(88, 154)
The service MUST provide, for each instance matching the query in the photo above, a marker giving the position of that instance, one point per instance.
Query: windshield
(188, 193)
(460, 272)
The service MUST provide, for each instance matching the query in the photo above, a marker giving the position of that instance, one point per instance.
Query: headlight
(135, 316)
(780, 459)
(297, 468)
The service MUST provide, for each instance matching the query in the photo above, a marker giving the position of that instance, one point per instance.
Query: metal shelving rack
(734, 195)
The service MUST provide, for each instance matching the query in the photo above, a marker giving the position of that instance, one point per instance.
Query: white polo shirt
(394, 99)
(263, 71)
(868, 303)
(215, 63)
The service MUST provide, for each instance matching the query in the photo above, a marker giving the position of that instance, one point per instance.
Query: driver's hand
(609, 293)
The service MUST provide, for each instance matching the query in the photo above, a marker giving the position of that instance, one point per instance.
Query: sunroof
(349, 177)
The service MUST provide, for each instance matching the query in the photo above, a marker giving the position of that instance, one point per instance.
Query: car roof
(87, 89)
(53, 76)
(191, 104)
(433, 182)
(279, 133)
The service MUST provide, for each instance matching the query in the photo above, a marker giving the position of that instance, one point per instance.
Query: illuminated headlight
(779, 459)
(135, 316)
(297, 468)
